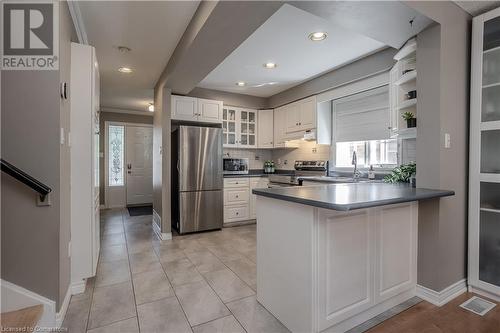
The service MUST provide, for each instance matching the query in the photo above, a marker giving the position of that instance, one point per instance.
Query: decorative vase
(410, 123)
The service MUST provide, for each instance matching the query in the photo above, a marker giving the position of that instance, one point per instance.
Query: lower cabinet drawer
(236, 196)
(236, 213)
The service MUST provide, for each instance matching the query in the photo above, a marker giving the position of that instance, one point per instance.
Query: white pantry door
(139, 164)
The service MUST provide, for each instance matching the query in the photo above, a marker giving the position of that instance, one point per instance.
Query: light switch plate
(447, 140)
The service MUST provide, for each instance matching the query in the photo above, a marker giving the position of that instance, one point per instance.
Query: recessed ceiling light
(317, 36)
(125, 70)
(270, 65)
(151, 107)
(240, 84)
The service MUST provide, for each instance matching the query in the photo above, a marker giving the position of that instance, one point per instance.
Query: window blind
(363, 116)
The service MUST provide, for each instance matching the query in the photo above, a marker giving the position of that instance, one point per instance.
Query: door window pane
(489, 247)
(244, 128)
(490, 151)
(244, 116)
(116, 138)
(251, 128)
(490, 106)
(231, 127)
(244, 139)
(251, 140)
(224, 114)
(252, 117)
(491, 37)
(232, 115)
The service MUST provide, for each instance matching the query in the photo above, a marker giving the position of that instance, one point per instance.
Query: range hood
(309, 135)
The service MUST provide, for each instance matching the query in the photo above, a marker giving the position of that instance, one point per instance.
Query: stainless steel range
(303, 169)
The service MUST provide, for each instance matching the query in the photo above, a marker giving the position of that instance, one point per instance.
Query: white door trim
(106, 160)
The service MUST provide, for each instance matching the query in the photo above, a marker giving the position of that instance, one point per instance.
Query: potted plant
(402, 174)
(411, 121)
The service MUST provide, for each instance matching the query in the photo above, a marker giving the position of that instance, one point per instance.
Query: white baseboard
(78, 287)
(15, 297)
(157, 228)
(442, 297)
(64, 307)
(484, 293)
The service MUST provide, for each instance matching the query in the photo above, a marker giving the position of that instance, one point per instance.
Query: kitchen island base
(327, 270)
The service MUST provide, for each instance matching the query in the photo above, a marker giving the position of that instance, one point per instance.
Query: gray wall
(120, 117)
(35, 239)
(161, 157)
(231, 99)
(443, 62)
(375, 63)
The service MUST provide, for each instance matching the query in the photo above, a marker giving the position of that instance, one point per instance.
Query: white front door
(139, 164)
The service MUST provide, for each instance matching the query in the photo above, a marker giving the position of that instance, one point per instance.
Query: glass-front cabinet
(484, 173)
(240, 127)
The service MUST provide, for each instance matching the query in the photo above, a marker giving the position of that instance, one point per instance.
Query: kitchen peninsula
(330, 257)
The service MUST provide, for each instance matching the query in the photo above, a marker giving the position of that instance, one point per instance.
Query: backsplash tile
(307, 150)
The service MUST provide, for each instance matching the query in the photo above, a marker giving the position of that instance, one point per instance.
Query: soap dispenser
(371, 173)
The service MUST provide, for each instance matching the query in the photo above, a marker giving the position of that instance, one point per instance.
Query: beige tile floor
(198, 283)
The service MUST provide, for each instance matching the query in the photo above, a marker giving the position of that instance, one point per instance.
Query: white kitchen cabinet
(265, 128)
(280, 136)
(184, 108)
(196, 109)
(484, 157)
(239, 127)
(209, 111)
(85, 221)
(257, 182)
(301, 115)
(239, 202)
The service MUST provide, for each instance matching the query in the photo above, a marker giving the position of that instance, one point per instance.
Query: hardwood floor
(428, 318)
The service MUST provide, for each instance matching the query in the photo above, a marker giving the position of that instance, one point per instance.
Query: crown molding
(76, 16)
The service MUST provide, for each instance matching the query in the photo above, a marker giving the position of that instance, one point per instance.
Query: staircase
(23, 320)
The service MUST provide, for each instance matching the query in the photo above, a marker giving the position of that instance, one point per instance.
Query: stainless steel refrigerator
(197, 180)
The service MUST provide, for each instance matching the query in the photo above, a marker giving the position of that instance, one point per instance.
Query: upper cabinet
(196, 109)
(265, 137)
(301, 115)
(239, 127)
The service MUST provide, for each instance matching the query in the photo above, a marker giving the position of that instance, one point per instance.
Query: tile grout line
(216, 292)
(131, 277)
(173, 289)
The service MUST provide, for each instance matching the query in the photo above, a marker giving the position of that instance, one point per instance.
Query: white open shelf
(407, 133)
(408, 51)
(407, 104)
(406, 78)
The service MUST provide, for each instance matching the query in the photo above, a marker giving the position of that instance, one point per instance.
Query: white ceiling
(151, 29)
(477, 7)
(283, 39)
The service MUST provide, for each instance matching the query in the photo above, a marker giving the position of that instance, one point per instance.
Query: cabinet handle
(237, 183)
(237, 196)
(237, 213)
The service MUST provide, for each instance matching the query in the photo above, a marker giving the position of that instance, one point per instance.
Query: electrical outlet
(314, 150)
(69, 249)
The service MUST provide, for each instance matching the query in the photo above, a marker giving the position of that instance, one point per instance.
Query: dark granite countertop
(260, 173)
(351, 196)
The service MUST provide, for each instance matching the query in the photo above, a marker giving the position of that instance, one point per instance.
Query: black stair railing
(26, 179)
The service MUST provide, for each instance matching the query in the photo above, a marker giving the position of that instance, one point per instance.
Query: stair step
(25, 319)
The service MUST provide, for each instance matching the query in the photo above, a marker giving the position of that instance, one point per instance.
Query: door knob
(129, 166)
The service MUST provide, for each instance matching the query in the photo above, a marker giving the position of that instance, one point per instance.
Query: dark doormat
(140, 210)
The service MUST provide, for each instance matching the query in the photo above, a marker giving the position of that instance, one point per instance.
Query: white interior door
(139, 164)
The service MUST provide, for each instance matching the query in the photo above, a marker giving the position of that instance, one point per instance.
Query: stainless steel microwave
(235, 166)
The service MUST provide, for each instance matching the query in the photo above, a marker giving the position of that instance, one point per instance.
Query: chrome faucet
(356, 174)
